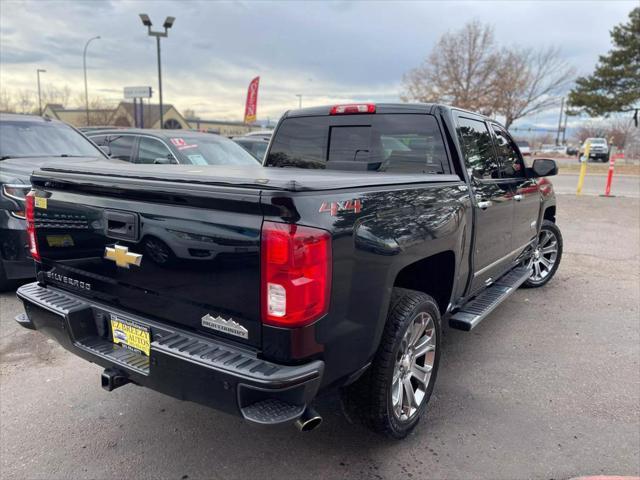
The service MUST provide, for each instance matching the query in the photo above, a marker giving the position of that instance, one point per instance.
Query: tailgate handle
(121, 225)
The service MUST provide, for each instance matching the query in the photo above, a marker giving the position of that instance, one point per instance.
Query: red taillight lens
(31, 227)
(353, 108)
(296, 274)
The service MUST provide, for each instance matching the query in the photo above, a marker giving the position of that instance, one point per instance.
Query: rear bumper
(181, 364)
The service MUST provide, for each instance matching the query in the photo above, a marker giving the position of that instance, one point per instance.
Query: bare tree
(617, 130)
(7, 102)
(100, 111)
(26, 101)
(460, 70)
(190, 114)
(56, 95)
(466, 69)
(528, 81)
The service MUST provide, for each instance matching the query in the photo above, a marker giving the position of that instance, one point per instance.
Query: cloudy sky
(327, 51)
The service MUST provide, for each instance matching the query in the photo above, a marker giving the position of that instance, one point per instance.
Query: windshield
(597, 140)
(208, 149)
(43, 139)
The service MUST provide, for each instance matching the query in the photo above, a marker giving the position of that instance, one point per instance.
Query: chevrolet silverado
(331, 266)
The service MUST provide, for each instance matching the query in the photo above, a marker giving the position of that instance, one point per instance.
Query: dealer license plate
(131, 335)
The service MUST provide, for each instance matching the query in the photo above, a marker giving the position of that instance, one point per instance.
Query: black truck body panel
(422, 231)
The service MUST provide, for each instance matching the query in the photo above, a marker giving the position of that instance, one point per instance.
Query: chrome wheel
(544, 256)
(413, 367)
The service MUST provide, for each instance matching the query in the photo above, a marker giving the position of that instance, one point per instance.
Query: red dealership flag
(251, 108)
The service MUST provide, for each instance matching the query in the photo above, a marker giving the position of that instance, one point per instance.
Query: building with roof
(123, 115)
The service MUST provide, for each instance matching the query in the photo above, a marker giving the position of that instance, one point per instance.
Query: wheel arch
(433, 275)
(550, 213)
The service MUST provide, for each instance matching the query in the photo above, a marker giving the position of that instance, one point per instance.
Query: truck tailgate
(189, 257)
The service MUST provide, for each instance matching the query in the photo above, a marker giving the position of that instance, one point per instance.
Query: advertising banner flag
(251, 108)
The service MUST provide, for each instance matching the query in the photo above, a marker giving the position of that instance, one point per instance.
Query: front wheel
(545, 258)
(393, 394)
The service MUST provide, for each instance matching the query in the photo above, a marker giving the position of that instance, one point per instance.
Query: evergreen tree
(614, 86)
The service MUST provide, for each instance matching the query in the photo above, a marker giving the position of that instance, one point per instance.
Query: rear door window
(477, 147)
(394, 143)
(121, 146)
(508, 155)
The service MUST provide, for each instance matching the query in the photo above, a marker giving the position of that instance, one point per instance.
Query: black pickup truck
(332, 266)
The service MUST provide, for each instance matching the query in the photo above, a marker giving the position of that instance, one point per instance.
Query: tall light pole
(84, 66)
(168, 23)
(299, 95)
(38, 72)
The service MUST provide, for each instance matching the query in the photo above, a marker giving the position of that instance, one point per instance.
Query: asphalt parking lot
(548, 388)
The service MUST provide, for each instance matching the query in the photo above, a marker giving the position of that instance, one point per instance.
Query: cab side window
(511, 164)
(121, 146)
(477, 147)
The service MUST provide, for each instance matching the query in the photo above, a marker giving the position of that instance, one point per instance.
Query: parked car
(524, 147)
(571, 150)
(256, 146)
(26, 142)
(266, 134)
(599, 150)
(356, 250)
(170, 147)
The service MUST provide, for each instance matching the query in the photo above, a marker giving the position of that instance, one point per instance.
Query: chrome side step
(477, 309)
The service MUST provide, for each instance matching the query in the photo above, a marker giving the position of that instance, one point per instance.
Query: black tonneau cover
(258, 177)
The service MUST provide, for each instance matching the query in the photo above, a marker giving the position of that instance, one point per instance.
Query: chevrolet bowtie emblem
(122, 256)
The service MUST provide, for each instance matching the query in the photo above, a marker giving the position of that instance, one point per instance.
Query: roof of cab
(423, 108)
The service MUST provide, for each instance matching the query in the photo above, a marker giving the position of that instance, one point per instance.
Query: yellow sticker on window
(40, 202)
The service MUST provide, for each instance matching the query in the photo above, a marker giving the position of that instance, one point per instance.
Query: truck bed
(261, 178)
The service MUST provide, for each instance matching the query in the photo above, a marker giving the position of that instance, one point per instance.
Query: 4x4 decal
(333, 208)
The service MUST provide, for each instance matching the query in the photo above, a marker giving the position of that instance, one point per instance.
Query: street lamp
(84, 66)
(38, 72)
(168, 23)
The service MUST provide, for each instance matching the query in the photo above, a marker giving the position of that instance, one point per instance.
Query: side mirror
(106, 150)
(544, 167)
(164, 161)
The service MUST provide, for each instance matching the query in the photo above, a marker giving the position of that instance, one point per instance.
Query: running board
(477, 309)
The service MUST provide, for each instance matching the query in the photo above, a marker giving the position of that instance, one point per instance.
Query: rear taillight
(296, 274)
(353, 108)
(31, 226)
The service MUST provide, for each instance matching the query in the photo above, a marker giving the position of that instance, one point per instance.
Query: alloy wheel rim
(544, 256)
(413, 367)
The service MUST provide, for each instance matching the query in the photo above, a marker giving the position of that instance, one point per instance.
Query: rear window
(394, 143)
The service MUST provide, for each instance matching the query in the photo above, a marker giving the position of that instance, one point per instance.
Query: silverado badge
(122, 256)
(224, 326)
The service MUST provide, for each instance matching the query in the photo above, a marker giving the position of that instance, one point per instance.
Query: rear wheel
(392, 395)
(545, 258)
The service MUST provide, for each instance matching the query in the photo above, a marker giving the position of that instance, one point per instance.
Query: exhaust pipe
(309, 420)
(112, 379)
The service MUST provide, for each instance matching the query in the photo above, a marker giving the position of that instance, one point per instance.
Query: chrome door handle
(485, 204)
(518, 197)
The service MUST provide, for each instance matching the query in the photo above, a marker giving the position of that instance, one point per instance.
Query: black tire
(548, 228)
(369, 399)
